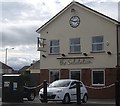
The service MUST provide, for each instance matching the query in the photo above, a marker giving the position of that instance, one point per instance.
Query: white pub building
(81, 43)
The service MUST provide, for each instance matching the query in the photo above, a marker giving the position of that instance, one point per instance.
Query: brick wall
(44, 75)
(64, 74)
(86, 78)
(110, 78)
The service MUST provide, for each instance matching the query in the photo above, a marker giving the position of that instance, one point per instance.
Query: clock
(74, 21)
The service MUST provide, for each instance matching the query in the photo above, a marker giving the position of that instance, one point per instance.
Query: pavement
(36, 102)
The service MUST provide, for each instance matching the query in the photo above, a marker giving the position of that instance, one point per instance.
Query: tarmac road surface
(36, 102)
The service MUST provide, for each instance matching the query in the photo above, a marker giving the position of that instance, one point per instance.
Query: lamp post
(6, 54)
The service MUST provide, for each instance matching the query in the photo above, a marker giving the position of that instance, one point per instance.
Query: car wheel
(66, 99)
(85, 98)
(31, 96)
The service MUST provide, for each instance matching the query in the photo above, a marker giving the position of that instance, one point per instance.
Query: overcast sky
(21, 18)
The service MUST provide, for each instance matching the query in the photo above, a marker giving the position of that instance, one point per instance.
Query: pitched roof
(23, 69)
(4, 66)
(35, 65)
(83, 6)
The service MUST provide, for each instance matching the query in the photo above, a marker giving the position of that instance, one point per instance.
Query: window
(74, 74)
(97, 44)
(75, 45)
(54, 47)
(54, 75)
(98, 77)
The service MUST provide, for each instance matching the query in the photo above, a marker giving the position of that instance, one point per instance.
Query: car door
(73, 90)
(83, 90)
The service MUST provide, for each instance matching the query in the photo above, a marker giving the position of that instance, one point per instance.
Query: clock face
(74, 21)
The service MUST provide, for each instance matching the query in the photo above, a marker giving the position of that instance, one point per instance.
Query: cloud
(19, 35)
(20, 21)
(23, 11)
(108, 8)
(18, 63)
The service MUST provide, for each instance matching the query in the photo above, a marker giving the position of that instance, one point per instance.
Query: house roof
(35, 65)
(83, 6)
(4, 66)
(23, 69)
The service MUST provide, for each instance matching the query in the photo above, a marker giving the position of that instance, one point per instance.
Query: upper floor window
(54, 47)
(75, 46)
(97, 44)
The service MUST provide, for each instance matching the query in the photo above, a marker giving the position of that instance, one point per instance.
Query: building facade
(81, 43)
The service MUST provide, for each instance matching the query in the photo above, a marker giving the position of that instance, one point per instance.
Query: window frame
(74, 45)
(53, 70)
(97, 70)
(73, 70)
(54, 46)
(94, 49)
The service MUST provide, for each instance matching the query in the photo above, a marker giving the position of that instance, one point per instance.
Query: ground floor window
(98, 77)
(75, 74)
(54, 75)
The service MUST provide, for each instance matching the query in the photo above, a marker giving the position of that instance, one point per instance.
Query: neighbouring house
(25, 74)
(24, 70)
(32, 74)
(81, 43)
(34, 70)
(35, 67)
(5, 69)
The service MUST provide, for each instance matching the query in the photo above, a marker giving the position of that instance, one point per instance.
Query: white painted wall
(91, 25)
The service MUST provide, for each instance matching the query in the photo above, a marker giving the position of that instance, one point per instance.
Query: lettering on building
(75, 61)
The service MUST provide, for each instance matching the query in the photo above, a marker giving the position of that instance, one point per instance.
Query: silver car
(64, 90)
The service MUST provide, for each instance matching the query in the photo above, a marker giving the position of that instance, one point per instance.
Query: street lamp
(6, 54)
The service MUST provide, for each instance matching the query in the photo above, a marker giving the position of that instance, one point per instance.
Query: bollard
(45, 91)
(117, 93)
(78, 92)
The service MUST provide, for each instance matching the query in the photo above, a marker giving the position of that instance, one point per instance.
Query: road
(36, 102)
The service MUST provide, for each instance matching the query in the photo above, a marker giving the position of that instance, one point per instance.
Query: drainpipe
(117, 83)
(118, 62)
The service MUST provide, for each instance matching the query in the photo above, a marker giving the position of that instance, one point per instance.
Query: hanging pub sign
(41, 44)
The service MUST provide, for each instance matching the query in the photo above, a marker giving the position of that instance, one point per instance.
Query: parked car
(64, 90)
(29, 94)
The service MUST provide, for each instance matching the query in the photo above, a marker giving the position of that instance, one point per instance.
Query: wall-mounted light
(63, 55)
(73, 10)
(85, 54)
(109, 53)
(44, 56)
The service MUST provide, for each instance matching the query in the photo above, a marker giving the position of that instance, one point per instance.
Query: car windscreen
(60, 83)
